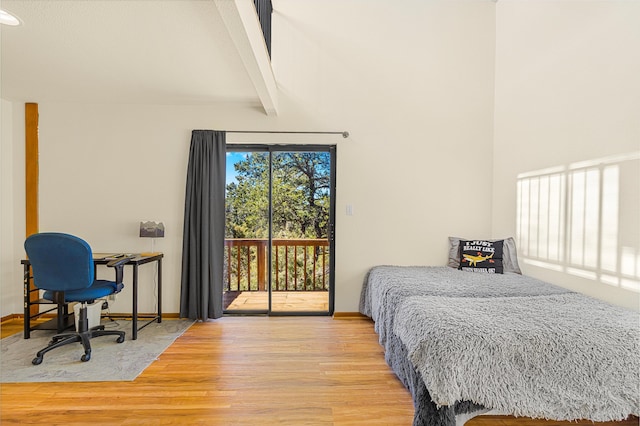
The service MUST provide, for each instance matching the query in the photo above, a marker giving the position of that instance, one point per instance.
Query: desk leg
(134, 319)
(27, 303)
(160, 290)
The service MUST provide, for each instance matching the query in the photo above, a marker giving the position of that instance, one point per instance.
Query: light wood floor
(240, 371)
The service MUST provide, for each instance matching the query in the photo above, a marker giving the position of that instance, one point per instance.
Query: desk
(65, 320)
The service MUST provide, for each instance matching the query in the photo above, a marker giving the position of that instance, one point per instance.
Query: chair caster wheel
(37, 360)
(85, 357)
(120, 339)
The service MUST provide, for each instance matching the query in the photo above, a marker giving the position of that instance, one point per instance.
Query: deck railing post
(262, 261)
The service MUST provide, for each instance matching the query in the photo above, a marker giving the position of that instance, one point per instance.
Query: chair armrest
(119, 265)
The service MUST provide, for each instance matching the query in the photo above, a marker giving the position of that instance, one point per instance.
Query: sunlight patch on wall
(583, 219)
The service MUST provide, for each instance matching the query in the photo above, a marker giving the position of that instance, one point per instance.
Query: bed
(464, 343)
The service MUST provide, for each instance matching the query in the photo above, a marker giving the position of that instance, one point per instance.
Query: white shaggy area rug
(110, 361)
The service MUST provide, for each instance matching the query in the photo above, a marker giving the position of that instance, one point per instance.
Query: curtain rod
(344, 134)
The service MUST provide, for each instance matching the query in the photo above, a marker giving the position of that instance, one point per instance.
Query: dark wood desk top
(136, 258)
(104, 258)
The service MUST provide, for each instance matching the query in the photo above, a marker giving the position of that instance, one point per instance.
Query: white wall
(567, 90)
(12, 201)
(411, 82)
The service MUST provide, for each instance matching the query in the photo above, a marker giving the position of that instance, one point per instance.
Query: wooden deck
(282, 301)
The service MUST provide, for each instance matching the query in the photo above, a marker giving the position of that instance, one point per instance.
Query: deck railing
(297, 265)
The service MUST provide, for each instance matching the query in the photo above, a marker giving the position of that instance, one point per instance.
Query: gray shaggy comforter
(386, 286)
(563, 357)
(390, 293)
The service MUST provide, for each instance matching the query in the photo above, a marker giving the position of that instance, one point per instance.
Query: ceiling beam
(241, 19)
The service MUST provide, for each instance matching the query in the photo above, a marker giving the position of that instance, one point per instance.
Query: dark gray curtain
(203, 237)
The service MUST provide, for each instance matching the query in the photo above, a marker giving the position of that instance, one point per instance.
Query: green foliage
(300, 191)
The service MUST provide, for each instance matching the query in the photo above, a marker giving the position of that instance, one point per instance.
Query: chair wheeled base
(84, 335)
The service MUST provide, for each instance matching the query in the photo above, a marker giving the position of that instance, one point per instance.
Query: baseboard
(349, 315)
(175, 315)
(10, 317)
(21, 316)
(141, 315)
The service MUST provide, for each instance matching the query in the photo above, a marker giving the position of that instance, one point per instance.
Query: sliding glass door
(279, 229)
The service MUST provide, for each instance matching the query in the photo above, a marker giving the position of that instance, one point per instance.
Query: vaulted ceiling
(134, 51)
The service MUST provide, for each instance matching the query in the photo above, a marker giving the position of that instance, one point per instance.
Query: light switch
(349, 210)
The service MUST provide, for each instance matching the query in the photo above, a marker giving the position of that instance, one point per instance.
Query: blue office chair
(62, 265)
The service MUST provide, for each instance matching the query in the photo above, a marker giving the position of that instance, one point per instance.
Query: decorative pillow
(509, 260)
(481, 256)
